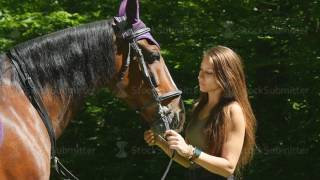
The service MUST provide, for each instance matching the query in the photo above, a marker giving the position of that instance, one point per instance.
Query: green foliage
(15, 28)
(279, 45)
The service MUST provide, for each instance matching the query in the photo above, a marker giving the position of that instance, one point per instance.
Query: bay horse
(65, 67)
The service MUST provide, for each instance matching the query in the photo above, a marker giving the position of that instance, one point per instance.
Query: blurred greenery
(279, 44)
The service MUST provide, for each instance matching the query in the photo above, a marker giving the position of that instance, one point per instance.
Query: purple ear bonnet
(130, 8)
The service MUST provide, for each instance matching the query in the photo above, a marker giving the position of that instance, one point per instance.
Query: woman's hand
(150, 138)
(176, 142)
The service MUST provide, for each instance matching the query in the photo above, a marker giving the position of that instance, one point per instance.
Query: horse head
(144, 80)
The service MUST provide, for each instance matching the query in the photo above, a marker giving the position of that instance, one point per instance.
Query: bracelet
(196, 153)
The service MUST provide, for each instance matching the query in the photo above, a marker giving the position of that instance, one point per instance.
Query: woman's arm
(153, 139)
(163, 144)
(226, 164)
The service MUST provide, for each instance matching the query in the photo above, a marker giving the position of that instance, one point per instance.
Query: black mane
(73, 60)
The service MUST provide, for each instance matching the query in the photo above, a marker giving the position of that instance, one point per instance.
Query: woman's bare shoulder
(235, 107)
(236, 114)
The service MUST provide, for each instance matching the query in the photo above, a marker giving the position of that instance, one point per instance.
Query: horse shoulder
(20, 138)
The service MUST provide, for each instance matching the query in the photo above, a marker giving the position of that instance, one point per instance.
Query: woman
(220, 137)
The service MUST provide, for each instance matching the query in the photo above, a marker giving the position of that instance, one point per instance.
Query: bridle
(124, 31)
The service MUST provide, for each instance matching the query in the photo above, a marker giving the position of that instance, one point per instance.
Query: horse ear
(122, 8)
(130, 8)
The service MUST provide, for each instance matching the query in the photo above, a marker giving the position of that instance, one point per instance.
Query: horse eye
(154, 56)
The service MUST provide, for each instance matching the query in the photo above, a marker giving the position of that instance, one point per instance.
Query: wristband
(196, 153)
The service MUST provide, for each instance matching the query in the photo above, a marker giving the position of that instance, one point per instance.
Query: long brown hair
(230, 77)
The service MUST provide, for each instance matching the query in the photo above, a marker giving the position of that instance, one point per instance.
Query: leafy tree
(278, 42)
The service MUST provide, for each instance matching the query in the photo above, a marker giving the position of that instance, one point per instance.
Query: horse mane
(74, 60)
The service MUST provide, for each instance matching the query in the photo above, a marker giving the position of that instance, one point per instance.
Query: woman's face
(207, 78)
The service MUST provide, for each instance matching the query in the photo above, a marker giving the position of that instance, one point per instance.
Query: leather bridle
(125, 32)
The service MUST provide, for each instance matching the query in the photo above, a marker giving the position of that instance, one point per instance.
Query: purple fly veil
(131, 9)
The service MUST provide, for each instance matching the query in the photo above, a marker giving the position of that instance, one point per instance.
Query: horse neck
(63, 106)
(61, 109)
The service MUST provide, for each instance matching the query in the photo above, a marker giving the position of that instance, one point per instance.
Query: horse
(64, 68)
